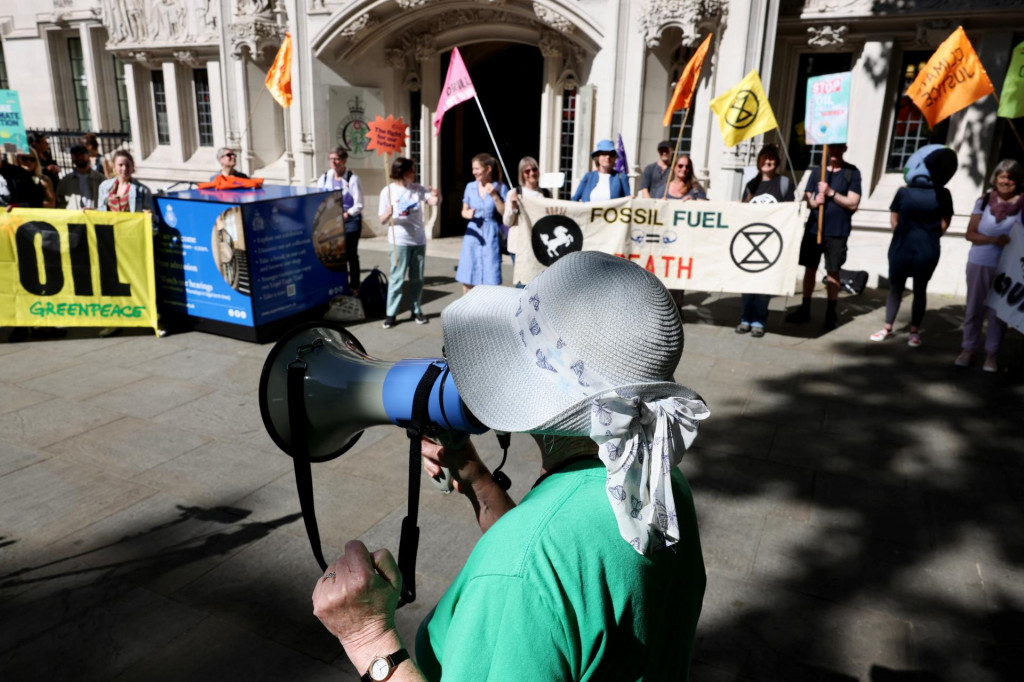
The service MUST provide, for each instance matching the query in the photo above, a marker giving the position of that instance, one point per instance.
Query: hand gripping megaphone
(320, 390)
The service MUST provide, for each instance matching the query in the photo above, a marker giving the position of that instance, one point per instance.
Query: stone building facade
(554, 76)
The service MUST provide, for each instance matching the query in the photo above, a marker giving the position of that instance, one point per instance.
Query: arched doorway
(509, 80)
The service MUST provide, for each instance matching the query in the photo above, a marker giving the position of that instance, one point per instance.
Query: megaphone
(345, 391)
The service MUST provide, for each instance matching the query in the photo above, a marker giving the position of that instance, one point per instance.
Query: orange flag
(687, 83)
(952, 80)
(279, 78)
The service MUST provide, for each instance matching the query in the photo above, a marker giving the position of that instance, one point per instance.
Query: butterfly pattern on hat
(638, 442)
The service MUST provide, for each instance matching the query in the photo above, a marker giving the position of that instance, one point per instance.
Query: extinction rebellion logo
(756, 247)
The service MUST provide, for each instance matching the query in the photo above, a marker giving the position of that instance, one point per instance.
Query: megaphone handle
(300, 455)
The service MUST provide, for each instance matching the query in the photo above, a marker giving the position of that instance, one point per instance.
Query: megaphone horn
(345, 391)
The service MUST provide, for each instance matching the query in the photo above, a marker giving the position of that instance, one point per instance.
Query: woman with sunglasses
(529, 186)
(684, 185)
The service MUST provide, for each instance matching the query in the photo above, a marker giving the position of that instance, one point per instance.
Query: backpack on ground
(373, 292)
(851, 281)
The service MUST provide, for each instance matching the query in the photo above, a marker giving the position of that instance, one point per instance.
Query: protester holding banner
(78, 189)
(401, 204)
(41, 146)
(30, 163)
(341, 179)
(529, 186)
(603, 183)
(483, 203)
(655, 175)
(123, 193)
(994, 216)
(22, 189)
(840, 195)
(920, 215)
(684, 185)
(767, 187)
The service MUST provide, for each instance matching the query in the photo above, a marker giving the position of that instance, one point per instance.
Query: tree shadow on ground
(97, 611)
(865, 521)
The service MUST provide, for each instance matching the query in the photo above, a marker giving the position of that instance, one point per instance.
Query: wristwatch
(381, 667)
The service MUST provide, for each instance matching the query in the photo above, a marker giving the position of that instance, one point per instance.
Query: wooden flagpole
(675, 154)
(821, 207)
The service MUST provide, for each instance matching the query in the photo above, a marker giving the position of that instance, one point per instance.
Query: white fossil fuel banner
(703, 245)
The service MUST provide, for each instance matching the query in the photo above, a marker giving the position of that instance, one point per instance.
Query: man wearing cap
(840, 195)
(655, 176)
(79, 188)
(603, 182)
(597, 573)
(227, 159)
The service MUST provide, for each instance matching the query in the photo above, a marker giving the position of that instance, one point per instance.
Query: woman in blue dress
(482, 205)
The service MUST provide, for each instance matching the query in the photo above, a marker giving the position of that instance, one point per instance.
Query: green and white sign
(12, 126)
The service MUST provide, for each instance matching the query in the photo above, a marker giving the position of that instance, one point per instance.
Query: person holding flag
(840, 194)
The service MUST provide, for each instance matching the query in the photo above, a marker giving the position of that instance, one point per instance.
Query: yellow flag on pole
(952, 80)
(279, 77)
(744, 111)
(686, 86)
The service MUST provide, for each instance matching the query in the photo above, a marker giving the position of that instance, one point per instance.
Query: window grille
(79, 83)
(415, 141)
(163, 128)
(204, 116)
(4, 85)
(568, 141)
(910, 130)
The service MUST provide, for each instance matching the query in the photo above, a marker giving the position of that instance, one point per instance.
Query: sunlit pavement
(859, 503)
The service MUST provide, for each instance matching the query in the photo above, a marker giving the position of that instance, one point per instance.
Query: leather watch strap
(394, 660)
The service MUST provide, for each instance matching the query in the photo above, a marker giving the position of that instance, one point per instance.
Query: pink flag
(457, 89)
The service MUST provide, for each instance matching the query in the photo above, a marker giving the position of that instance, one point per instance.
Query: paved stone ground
(860, 504)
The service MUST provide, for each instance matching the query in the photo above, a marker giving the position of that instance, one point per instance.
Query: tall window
(910, 131)
(415, 141)
(79, 83)
(204, 117)
(163, 128)
(122, 95)
(568, 141)
(3, 68)
(813, 64)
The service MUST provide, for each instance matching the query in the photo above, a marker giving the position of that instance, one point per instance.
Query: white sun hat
(588, 348)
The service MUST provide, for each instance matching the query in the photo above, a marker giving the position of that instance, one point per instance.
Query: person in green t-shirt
(597, 574)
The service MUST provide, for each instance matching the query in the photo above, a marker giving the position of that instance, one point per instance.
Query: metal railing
(61, 142)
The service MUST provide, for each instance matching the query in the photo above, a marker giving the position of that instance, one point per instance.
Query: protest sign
(1007, 294)
(705, 245)
(952, 80)
(12, 126)
(387, 135)
(828, 109)
(76, 269)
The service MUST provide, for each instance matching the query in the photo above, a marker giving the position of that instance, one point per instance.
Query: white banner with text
(701, 245)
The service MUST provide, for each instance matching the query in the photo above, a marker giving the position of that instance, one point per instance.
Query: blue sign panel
(249, 258)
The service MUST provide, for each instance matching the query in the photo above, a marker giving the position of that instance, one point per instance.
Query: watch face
(379, 669)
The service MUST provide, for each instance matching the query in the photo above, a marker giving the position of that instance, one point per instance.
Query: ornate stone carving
(254, 34)
(693, 17)
(394, 57)
(162, 22)
(144, 59)
(254, 8)
(551, 44)
(411, 4)
(188, 58)
(463, 17)
(932, 33)
(60, 4)
(360, 23)
(553, 19)
(424, 47)
(826, 36)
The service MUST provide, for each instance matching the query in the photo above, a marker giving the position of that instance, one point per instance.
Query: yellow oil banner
(703, 245)
(76, 269)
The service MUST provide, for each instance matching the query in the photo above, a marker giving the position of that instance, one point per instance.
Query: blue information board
(238, 261)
